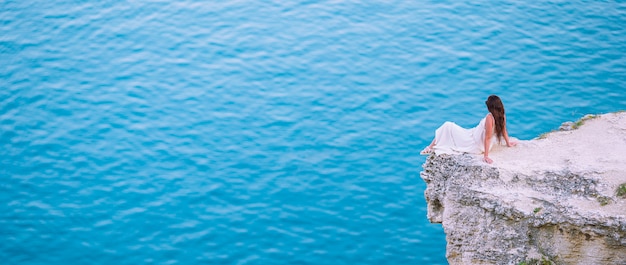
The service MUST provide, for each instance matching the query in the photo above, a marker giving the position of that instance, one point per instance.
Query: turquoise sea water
(268, 132)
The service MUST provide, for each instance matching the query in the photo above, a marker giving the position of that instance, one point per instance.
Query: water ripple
(244, 132)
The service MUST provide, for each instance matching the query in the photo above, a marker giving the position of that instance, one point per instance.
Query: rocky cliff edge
(557, 199)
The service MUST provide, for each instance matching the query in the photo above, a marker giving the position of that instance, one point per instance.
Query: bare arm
(506, 136)
(488, 133)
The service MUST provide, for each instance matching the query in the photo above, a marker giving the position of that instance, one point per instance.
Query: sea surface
(268, 132)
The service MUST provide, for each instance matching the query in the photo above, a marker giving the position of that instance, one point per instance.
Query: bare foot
(427, 151)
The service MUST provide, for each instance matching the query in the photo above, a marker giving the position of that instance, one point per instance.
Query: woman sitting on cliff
(452, 138)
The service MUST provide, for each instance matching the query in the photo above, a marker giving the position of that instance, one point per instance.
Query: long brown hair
(495, 106)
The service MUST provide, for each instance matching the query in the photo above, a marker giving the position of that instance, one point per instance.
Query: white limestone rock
(547, 200)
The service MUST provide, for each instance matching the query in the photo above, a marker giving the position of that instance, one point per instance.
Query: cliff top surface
(595, 150)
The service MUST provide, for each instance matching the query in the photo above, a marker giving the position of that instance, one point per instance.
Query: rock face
(553, 200)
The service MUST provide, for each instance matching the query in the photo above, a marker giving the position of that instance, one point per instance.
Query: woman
(452, 138)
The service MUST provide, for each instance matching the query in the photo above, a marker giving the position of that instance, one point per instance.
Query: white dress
(451, 138)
